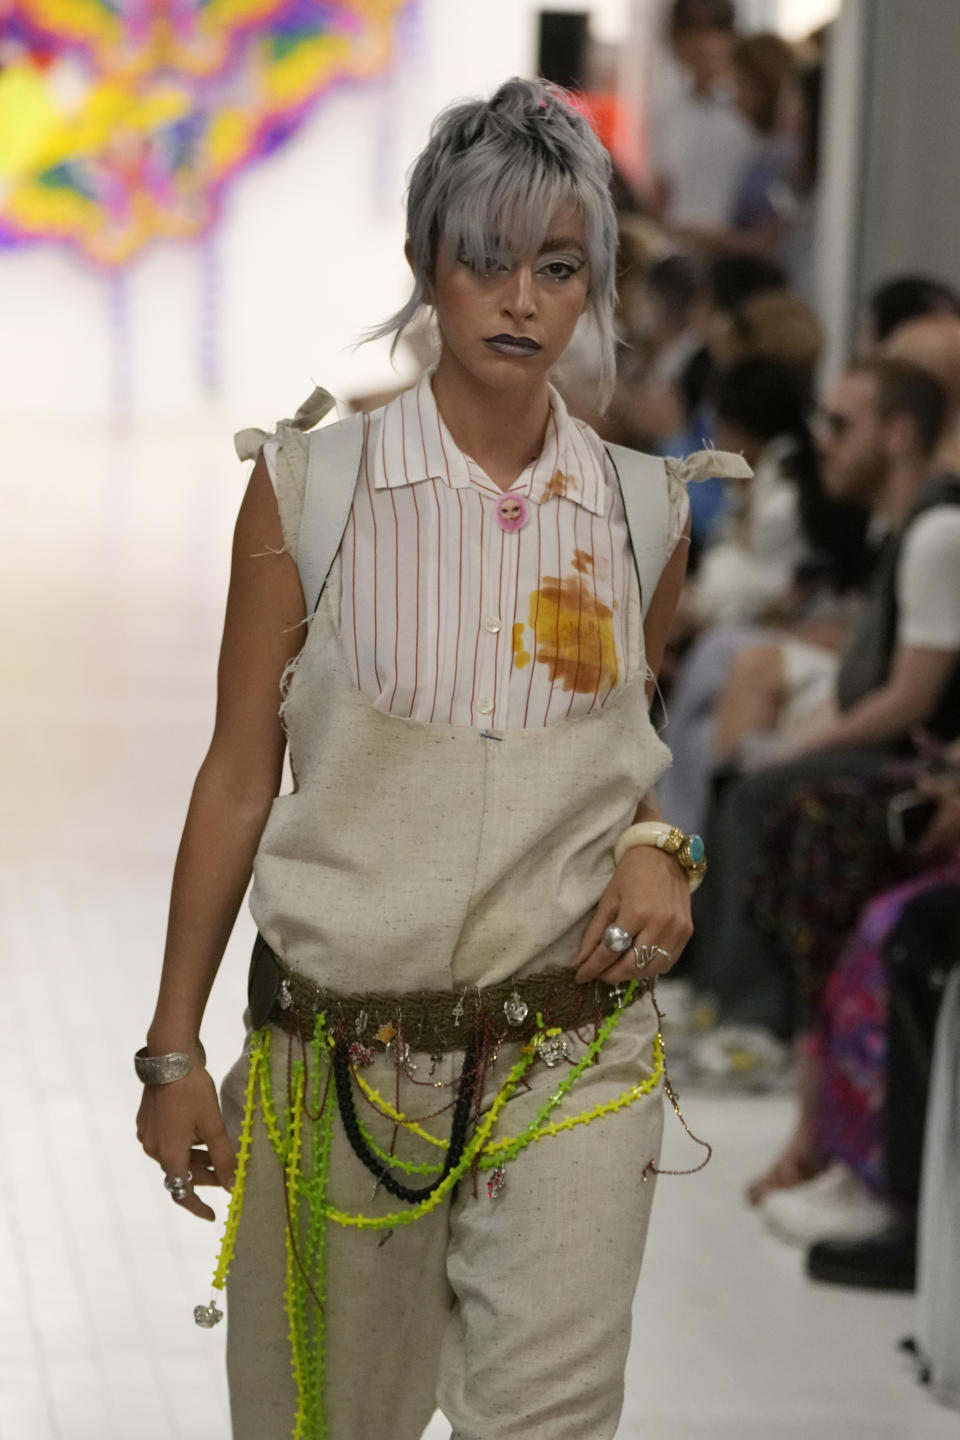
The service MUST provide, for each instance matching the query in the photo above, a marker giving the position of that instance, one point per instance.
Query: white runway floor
(115, 557)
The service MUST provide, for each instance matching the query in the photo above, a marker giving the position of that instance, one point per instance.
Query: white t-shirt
(928, 581)
(700, 146)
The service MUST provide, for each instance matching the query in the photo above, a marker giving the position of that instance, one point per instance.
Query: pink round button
(512, 512)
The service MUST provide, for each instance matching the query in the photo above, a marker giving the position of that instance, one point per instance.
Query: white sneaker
(743, 1057)
(835, 1205)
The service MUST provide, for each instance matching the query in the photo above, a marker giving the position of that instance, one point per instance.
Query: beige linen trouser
(512, 1314)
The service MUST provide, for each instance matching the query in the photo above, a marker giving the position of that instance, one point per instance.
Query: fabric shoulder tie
(708, 465)
(249, 442)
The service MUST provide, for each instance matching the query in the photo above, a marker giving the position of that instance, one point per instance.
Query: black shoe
(887, 1262)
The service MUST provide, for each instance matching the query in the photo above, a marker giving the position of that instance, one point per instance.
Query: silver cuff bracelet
(164, 1069)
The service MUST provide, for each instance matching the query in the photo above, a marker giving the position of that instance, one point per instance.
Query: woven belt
(434, 1021)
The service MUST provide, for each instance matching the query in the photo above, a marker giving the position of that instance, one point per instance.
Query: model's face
(850, 439)
(513, 322)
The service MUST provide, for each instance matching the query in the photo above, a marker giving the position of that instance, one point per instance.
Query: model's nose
(519, 299)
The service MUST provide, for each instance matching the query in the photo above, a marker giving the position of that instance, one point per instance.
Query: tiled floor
(114, 564)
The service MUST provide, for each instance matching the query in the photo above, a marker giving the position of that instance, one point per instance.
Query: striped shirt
(448, 617)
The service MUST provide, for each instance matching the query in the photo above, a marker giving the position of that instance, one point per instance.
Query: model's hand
(942, 834)
(648, 897)
(180, 1126)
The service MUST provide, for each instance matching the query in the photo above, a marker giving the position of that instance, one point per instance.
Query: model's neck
(904, 481)
(501, 429)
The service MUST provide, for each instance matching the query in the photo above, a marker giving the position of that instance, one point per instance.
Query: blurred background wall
(309, 250)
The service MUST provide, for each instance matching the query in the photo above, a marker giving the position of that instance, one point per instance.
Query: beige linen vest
(412, 856)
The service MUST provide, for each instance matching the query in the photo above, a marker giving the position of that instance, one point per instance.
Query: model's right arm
(235, 786)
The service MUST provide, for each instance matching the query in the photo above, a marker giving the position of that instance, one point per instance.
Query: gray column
(890, 197)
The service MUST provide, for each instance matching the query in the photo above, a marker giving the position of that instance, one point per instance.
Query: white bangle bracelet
(687, 850)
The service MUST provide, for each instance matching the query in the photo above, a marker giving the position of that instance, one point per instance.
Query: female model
(440, 1134)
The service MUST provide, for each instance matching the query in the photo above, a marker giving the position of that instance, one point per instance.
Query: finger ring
(659, 950)
(641, 964)
(178, 1187)
(617, 939)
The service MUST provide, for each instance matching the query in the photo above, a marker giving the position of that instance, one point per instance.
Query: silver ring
(649, 951)
(178, 1187)
(640, 964)
(617, 939)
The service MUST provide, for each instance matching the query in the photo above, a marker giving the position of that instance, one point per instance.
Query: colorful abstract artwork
(123, 121)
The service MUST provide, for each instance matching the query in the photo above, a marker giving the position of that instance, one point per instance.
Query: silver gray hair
(490, 180)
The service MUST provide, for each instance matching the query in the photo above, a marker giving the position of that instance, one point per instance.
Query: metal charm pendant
(206, 1316)
(361, 1023)
(284, 998)
(516, 1010)
(458, 1011)
(361, 1055)
(400, 1054)
(618, 992)
(496, 1183)
(553, 1051)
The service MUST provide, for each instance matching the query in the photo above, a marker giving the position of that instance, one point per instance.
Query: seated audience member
(751, 709)
(771, 325)
(828, 901)
(933, 342)
(663, 366)
(748, 571)
(848, 1180)
(783, 558)
(898, 299)
(900, 671)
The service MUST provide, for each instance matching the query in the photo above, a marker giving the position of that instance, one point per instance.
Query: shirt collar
(414, 444)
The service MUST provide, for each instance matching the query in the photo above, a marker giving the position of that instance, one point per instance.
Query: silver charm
(618, 992)
(458, 1010)
(206, 1316)
(400, 1054)
(553, 1051)
(361, 1023)
(435, 1060)
(516, 1010)
(284, 996)
(496, 1182)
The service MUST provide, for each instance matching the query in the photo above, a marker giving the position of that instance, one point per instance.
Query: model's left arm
(648, 895)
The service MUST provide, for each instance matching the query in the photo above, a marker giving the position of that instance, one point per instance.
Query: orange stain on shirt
(558, 484)
(573, 635)
(521, 657)
(582, 561)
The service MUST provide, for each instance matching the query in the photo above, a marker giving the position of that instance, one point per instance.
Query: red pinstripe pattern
(439, 615)
(450, 565)
(581, 579)
(553, 678)
(456, 653)
(536, 620)
(476, 648)
(517, 609)
(500, 609)
(593, 551)
(396, 599)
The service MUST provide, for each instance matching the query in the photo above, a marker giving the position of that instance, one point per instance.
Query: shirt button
(492, 623)
(484, 705)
